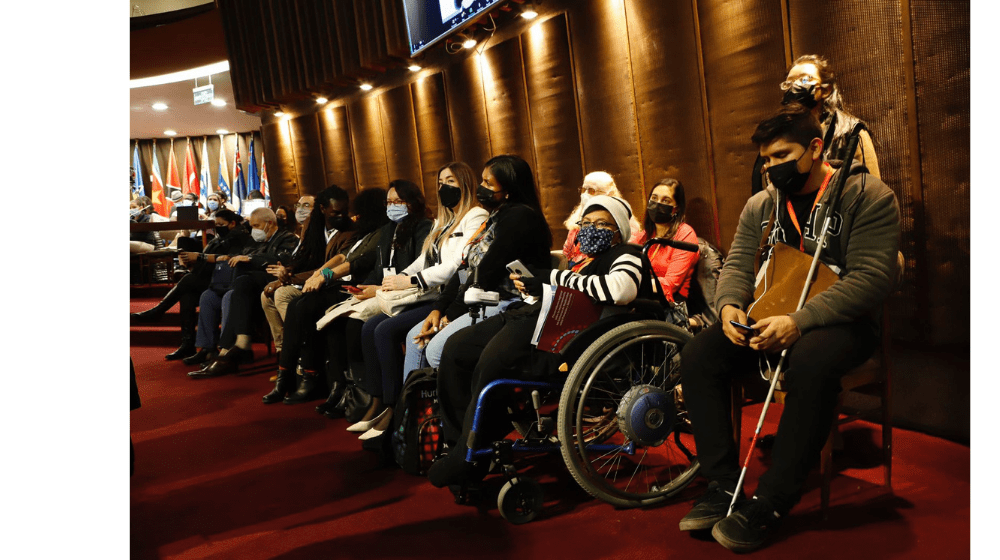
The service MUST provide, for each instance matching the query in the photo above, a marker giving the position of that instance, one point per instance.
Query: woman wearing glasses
(811, 82)
(459, 217)
(610, 273)
(594, 184)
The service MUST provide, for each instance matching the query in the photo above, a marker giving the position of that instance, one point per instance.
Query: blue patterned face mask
(594, 241)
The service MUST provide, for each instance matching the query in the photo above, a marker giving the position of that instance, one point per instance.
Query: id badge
(388, 271)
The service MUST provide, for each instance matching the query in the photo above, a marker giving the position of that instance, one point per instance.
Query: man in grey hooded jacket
(836, 330)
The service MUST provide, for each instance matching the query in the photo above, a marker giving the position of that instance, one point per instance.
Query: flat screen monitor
(429, 21)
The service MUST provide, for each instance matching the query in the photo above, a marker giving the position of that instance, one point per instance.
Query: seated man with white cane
(833, 331)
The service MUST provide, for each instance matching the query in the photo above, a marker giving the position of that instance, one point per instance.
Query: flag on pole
(253, 179)
(265, 188)
(239, 183)
(173, 177)
(223, 184)
(190, 171)
(160, 203)
(205, 175)
(138, 189)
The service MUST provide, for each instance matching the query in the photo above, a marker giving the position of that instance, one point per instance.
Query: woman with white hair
(596, 183)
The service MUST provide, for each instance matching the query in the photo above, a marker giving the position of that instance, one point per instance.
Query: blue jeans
(430, 354)
(213, 310)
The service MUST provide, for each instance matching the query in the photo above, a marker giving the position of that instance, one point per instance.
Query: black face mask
(802, 94)
(449, 195)
(221, 231)
(282, 222)
(660, 213)
(486, 198)
(337, 222)
(786, 177)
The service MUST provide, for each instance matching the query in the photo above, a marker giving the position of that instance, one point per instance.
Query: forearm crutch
(834, 195)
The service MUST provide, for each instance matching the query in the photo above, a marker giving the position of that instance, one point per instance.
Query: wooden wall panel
(338, 154)
(430, 110)
(744, 63)
(367, 141)
(604, 89)
(467, 113)
(399, 133)
(506, 107)
(308, 151)
(280, 163)
(551, 98)
(667, 82)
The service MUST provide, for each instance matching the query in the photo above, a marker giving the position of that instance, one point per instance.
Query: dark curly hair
(369, 210)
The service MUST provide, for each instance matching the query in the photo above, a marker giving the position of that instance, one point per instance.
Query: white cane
(852, 145)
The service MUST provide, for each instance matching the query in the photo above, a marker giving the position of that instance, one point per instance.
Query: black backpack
(417, 436)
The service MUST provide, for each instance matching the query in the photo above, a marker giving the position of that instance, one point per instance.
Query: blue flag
(205, 175)
(223, 171)
(253, 179)
(138, 189)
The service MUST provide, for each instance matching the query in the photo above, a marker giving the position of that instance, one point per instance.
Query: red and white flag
(173, 177)
(265, 188)
(191, 172)
(161, 205)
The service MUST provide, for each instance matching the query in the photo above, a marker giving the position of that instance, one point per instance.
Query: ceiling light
(183, 75)
(529, 14)
(366, 87)
(160, 106)
(279, 114)
(415, 68)
(219, 102)
(170, 132)
(321, 100)
(222, 131)
(469, 43)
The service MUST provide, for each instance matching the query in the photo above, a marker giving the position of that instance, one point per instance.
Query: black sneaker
(710, 508)
(747, 528)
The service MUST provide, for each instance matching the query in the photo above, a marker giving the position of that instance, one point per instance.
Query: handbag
(223, 276)
(785, 272)
(395, 301)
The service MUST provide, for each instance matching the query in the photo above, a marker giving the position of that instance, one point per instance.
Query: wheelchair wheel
(520, 500)
(619, 399)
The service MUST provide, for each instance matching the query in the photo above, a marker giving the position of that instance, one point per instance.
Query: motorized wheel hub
(646, 415)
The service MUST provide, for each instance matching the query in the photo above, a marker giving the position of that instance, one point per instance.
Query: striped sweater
(612, 278)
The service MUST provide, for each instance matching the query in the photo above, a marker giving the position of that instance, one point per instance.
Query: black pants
(814, 365)
(190, 287)
(496, 348)
(301, 339)
(244, 306)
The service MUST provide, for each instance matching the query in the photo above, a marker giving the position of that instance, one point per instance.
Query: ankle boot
(282, 386)
(186, 350)
(336, 392)
(306, 389)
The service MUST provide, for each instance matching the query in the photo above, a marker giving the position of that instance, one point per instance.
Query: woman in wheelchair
(611, 274)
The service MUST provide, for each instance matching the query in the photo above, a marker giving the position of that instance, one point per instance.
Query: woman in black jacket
(399, 245)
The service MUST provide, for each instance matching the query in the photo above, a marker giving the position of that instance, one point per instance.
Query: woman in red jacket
(665, 218)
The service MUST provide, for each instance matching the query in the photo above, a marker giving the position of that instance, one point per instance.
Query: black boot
(330, 406)
(307, 388)
(282, 386)
(156, 312)
(186, 350)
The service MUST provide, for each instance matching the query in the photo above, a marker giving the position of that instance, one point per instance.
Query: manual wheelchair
(617, 418)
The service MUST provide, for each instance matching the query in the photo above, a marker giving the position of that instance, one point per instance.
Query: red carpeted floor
(220, 475)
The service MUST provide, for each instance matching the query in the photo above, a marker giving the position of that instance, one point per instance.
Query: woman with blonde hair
(594, 184)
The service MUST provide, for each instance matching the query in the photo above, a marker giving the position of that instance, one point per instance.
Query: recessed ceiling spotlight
(160, 106)
(170, 132)
(279, 114)
(469, 43)
(415, 68)
(321, 100)
(219, 102)
(222, 131)
(366, 87)
(528, 10)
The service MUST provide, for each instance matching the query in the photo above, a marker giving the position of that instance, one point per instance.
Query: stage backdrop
(645, 90)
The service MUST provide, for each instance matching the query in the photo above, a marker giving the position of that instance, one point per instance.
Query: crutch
(852, 146)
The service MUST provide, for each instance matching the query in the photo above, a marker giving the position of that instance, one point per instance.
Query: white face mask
(134, 212)
(301, 214)
(258, 235)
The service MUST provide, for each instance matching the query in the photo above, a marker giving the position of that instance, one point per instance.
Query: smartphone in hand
(749, 330)
(517, 267)
(352, 290)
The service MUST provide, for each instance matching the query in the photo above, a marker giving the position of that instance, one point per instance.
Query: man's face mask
(786, 176)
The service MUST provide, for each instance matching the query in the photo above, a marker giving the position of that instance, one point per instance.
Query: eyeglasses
(306, 205)
(804, 80)
(397, 202)
(599, 225)
(590, 190)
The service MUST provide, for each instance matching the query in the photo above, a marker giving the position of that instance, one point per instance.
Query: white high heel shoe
(364, 426)
(374, 432)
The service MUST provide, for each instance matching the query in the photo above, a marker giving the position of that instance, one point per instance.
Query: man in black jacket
(274, 245)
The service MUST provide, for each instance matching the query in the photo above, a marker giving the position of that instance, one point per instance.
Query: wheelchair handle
(682, 245)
